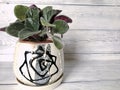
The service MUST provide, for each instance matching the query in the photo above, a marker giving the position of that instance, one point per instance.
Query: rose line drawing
(44, 63)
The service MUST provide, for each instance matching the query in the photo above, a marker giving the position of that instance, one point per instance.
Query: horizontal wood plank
(90, 41)
(85, 57)
(7, 42)
(77, 2)
(75, 71)
(84, 17)
(92, 35)
(86, 75)
(91, 57)
(101, 85)
(92, 45)
(82, 47)
(7, 57)
(77, 42)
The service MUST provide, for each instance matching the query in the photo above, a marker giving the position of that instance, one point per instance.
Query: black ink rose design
(41, 62)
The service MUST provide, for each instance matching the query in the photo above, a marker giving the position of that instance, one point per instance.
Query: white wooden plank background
(84, 17)
(81, 2)
(91, 75)
(92, 45)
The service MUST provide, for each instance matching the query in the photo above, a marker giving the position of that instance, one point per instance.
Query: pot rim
(32, 42)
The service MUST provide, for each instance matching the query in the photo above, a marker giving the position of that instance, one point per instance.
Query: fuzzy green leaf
(33, 13)
(50, 14)
(20, 12)
(58, 42)
(61, 27)
(45, 23)
(45, 11)
(32, 20)
(32, 24)
(14, 28)
(26, 32)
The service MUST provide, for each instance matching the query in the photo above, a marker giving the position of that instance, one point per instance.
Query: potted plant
(38, 60)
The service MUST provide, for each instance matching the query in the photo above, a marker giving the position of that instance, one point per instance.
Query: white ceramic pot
(38, 66)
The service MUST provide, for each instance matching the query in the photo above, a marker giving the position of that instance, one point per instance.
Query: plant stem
(2, 29)
(61, 35)
(48, 33)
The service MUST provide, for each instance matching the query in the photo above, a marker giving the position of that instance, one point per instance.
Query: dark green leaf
(58, 42)
(46, 10)
(61, 27)
(50, 14)
(45, 23)
(20, 12)
(32, 20)
(26, 32)
(32, 24)
(33, 13)
(14, 28)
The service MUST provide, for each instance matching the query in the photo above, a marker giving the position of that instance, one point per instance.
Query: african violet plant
(35, 24)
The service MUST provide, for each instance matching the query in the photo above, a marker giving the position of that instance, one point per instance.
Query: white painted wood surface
(79, 75)
(92, 45)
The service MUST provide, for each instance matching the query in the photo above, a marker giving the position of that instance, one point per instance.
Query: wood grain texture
(76, 2)
(103, 85)
(86, 75)
(81, 41)
(75, 70)
(84, 17)
(6, 42)
(68, 56)
(91, 57)
(92, 45)
(83, 44)
(92, 41)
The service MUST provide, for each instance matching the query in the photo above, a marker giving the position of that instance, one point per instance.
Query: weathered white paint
(92, 45)
(89, 41)
(78, 41)
(77, 2)
(84, 17)
(103, 85)
(79, 74)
